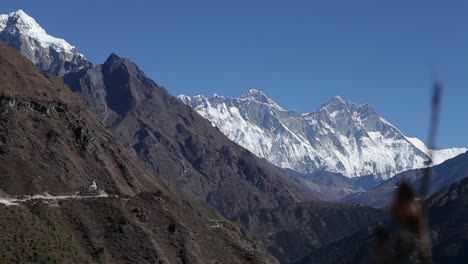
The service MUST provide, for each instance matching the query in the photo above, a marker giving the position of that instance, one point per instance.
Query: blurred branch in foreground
(411, 243)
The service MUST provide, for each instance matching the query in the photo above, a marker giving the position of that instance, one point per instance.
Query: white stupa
(93, 187)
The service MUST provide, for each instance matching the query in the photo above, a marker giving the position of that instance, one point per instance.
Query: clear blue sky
(301, 53)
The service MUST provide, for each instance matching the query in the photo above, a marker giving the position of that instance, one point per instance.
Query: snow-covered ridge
(49, 53)
(438, 155)
(340, 136)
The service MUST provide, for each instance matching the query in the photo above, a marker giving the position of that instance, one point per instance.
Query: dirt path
(8, 201)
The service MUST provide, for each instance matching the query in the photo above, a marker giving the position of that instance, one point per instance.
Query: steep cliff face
(54, 153)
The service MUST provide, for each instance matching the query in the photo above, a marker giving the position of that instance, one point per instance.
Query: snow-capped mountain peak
(340, 136)
(20, 21)
(337, 100)
(49, 53)
(260, 97)
(255, 94)
(338, 103)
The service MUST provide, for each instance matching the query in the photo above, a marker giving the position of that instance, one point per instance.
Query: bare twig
(410, 211)
(434, 123)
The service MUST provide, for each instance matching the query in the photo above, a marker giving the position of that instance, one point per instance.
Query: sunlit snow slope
(50, 54)
(340, 136)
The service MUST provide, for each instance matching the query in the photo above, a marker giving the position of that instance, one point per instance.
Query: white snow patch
(438, 155)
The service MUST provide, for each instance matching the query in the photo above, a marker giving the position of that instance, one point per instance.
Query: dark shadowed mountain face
(448, 216)
(330, 186)
(442, 176)
(448, 220)
(50, 143)
(293, 232)
(178, 143)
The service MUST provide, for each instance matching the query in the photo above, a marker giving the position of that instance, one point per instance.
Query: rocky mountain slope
(50, 54)
(340, 136)
(178, 143)
(330, 186)
(449, 222)
(293, 232)
(442, 175)
(169, 136)
(51, 142)
(185, 149)
(53, 147)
